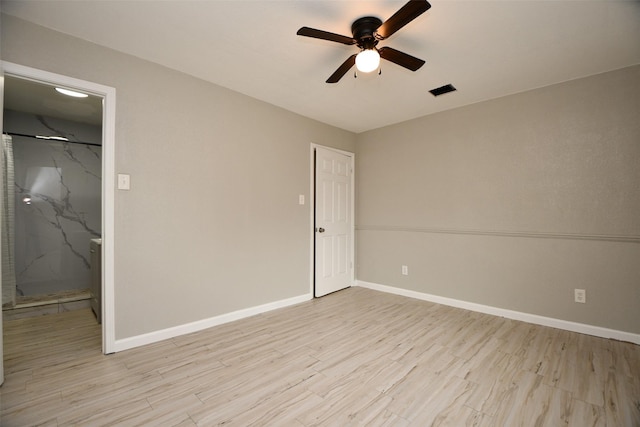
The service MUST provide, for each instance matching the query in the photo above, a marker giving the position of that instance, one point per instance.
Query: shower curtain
(8, 212)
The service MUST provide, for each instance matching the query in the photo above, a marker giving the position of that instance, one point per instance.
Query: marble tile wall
(58, 203)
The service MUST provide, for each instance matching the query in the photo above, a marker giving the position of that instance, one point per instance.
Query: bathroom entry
(52, 143)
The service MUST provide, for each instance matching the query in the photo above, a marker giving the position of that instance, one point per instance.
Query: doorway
(332, 219)
(106, 98)
(53, 145)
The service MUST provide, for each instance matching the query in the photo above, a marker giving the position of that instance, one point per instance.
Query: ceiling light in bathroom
(57, 138)
(71, 93)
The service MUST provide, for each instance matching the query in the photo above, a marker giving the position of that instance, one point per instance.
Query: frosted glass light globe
(368, 60)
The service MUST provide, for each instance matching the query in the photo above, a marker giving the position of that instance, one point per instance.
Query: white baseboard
(152, 337)
(582, 328)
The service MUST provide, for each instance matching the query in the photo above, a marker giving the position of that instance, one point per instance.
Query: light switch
(301, 199)
(124, 181)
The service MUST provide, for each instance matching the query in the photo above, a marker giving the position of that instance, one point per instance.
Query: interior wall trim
(581, 328)
(528, 234)
(187, 328)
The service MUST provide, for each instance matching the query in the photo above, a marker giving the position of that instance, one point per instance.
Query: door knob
(320, 230)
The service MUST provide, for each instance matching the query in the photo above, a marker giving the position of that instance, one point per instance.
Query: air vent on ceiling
(442, 90)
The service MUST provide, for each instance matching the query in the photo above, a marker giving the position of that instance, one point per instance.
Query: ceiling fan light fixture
(367, 32)
(368, 60)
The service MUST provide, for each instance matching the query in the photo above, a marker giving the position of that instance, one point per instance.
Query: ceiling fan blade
(325, 35)
(403, 59)
(402, 17)
(342, 70)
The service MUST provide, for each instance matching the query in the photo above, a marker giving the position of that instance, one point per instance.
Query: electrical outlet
(405, 270)
(580, 295)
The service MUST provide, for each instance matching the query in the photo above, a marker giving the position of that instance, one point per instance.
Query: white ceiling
(485, 48)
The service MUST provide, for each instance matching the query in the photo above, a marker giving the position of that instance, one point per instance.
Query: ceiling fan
(367, 32)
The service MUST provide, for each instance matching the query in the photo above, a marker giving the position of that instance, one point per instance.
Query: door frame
(312, 213)
(108, 95)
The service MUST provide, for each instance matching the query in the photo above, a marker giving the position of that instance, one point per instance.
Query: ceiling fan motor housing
(364, 31)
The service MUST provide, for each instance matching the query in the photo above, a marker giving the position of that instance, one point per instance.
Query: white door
(333, 221)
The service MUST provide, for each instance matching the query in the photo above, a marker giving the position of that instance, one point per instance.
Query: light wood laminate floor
(356, 357)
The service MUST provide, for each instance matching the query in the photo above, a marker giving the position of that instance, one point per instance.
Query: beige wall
(212, 222)
(512, 202)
